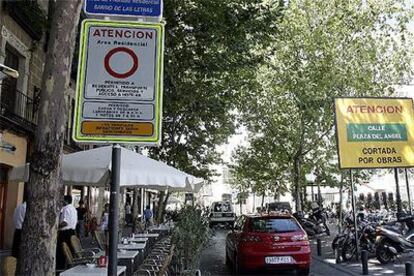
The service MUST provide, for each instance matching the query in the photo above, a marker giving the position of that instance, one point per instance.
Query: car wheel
(304, 272)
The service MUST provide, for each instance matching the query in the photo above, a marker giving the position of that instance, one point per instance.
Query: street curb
(337, 267)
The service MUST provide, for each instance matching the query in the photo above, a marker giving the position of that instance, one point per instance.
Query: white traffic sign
(119, 83)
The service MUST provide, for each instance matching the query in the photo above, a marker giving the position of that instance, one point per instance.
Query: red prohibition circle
(121, 75)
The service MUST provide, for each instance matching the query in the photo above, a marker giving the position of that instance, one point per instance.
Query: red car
(268, 241)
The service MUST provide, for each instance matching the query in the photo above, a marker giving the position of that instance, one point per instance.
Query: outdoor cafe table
(83, 270)
(132, 246)
(146, 235)
(128, 258)
(138, 239)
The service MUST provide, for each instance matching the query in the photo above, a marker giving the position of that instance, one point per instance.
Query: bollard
(364, 261)
(319, 247)
(409, 271)
(337, 256)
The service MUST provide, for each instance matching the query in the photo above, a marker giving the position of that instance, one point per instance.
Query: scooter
(391, 243)
(319, 216)
(313, 228)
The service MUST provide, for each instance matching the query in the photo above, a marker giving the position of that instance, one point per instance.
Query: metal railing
(17, 107)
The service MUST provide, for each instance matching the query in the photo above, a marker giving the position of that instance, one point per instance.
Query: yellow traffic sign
(374, 132)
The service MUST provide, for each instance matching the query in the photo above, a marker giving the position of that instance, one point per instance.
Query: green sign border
(77, 135)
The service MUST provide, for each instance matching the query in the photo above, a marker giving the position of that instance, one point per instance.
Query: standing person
(67, 224)
(105, 218)
(128, 213)
(105, 222)
(81, 212)
(147, 216)
(18, 218)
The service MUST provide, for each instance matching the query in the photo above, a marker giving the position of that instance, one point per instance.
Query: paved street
(212, 260)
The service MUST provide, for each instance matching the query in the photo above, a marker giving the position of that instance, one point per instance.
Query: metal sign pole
(398, 195)
(340, 207)
(355, 216)
(113, 210)
(408, 191)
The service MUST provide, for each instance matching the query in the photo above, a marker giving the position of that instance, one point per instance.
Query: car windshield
(222, 207)
(273, 225)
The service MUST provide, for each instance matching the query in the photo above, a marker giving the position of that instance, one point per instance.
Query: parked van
(222, 212)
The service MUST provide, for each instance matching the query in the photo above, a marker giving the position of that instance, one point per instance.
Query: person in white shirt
(105, 218)
(67, 224)
(18, 218)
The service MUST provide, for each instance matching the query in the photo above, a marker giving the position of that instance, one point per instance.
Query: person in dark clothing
(67, 224)
(148, 216)
(82, 212)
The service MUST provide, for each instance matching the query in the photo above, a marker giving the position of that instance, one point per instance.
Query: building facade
(23, 32)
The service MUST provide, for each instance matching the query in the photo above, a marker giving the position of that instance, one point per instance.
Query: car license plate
(279, 260)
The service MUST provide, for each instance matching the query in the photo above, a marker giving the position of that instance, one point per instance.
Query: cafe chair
(80, 251)
(9, 266)
(98, 238)
(70, 260)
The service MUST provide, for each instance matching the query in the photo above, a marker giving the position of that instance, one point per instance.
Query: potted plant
(190, 236)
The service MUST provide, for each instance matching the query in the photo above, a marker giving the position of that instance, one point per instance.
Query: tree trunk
(296, 183)
(135, 209)
(319, 195)
(263, 196)
(101, 203)
(254, 202)
(39, 234)
(167, 196)
(160, 207)
(312, 193)
(304, 199)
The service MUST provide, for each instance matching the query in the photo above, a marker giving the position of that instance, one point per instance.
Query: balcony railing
(17, 109)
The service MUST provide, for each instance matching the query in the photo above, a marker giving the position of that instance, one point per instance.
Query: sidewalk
(355, 268)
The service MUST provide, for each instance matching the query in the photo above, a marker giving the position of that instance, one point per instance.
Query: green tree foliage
(323, 49)
(208, 58)
(255, 169)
